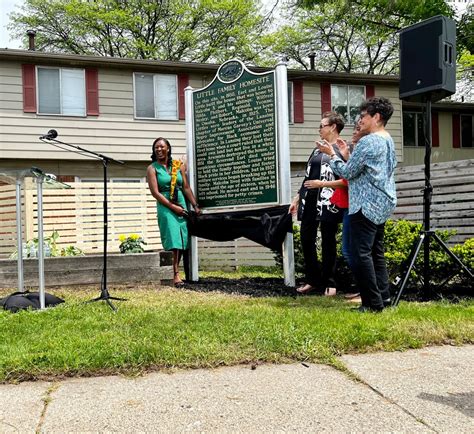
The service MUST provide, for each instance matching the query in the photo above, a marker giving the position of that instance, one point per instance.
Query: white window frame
(83, 115)
(291, 103)
(155, 97)
(347, 102)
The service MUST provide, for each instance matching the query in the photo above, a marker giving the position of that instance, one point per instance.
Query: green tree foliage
(383, 12)
(465, 30)
(189, 30)
(465, 65)
(350, 35)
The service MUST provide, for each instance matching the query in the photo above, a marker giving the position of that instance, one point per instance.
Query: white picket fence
(77, 215)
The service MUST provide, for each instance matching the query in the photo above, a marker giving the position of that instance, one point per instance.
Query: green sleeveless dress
(173, 228)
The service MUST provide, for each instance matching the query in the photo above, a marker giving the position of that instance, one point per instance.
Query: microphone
(52, 134)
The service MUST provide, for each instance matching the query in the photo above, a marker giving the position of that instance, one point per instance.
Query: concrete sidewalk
(428, 390)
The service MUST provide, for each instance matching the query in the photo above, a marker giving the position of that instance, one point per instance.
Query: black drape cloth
(267, 226)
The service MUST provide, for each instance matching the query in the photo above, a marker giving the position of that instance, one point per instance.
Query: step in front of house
(83, 270)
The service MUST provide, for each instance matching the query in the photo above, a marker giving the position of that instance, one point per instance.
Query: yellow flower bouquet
(175, 166)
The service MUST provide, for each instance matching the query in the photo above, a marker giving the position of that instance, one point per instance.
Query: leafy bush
(71, 251)
(131, 243)
(400, 236)
(465, 252)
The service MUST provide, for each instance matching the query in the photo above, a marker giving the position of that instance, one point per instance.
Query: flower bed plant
(51, 248)
(132, 243)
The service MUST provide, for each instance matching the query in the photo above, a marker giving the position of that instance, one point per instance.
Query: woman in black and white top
(312, 205)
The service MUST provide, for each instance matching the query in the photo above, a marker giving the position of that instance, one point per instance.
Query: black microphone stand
(104, 292)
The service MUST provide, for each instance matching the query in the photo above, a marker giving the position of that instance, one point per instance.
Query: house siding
(114, 132)
(445, 152)
(11, 90)
(302, 136)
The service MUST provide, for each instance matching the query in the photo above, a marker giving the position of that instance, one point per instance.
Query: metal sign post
(284, 166)
(193, 248)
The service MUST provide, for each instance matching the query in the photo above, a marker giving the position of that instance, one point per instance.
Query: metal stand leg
(424, 240)
(39, 186)
(19, 234)
(452, 255)
(413, 255)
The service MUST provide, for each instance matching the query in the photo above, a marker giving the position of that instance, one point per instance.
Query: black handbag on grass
(28, 300)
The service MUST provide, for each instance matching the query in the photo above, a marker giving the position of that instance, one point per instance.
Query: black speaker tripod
(426, 234)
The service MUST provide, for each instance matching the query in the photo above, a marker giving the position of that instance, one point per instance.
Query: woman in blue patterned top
(372, 199)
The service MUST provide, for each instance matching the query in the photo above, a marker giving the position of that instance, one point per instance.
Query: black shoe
(365, 309)
(387, 302)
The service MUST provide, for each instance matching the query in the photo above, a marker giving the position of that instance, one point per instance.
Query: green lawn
(168, 328)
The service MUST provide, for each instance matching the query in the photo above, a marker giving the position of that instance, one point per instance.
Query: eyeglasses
(362, 116)
(322, 126)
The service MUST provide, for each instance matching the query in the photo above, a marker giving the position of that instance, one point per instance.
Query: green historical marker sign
(236, 155)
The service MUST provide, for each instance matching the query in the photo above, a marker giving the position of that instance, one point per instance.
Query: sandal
(330, 292)
(179, 283)
(305, 289)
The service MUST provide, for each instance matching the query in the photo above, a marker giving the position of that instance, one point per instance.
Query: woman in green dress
(169, 186)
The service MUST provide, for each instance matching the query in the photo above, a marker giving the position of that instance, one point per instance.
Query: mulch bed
(274, 287)
(251, 286)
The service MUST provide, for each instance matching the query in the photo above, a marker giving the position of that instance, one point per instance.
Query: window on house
(290, 103)
(61, 91)
(156, 96)
(346, 101)
(413, 129)
(467, 131)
